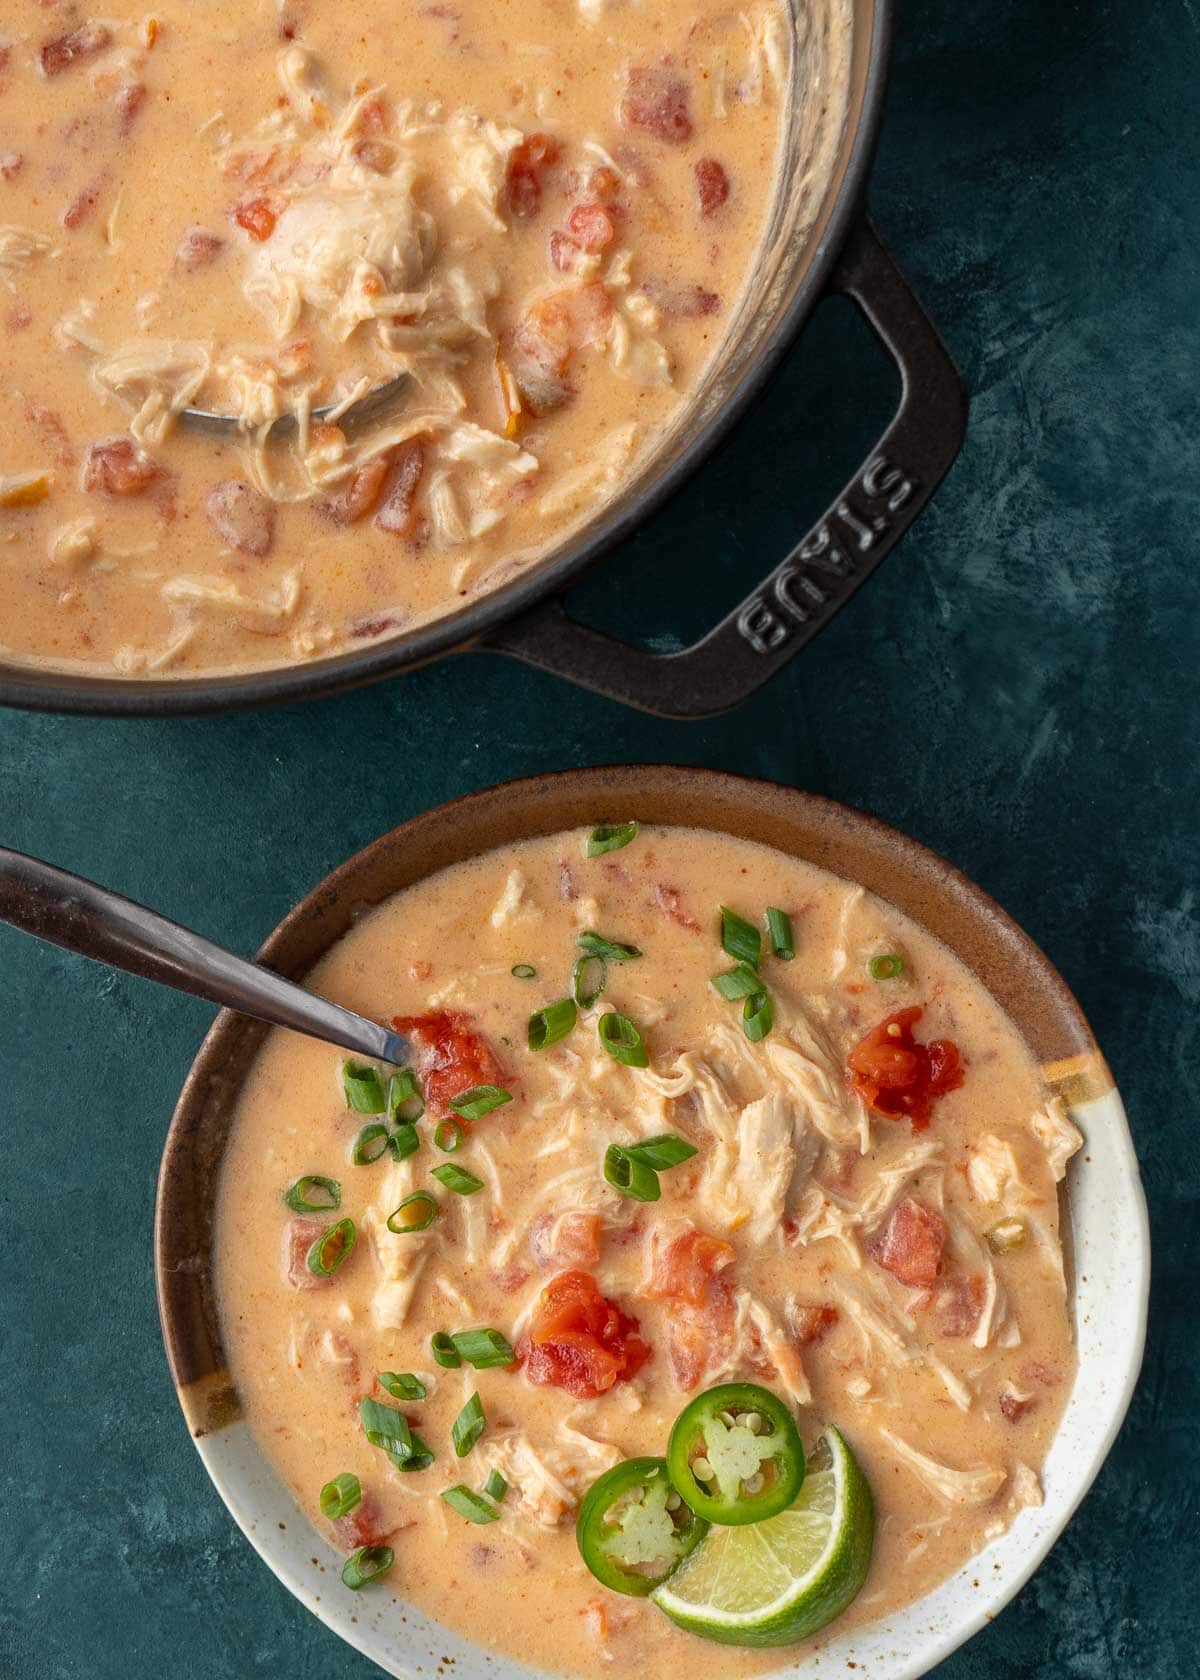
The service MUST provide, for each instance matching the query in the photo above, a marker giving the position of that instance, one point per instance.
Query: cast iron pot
(840, 252)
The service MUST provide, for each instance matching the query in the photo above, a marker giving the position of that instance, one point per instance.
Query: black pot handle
(826, 566)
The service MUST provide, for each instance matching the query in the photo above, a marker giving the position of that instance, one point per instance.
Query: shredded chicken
(973, 1486)
(1057, 1136)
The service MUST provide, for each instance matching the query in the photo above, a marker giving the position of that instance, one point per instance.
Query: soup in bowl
(700, 1289)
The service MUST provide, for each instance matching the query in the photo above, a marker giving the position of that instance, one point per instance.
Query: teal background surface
(1017, 688)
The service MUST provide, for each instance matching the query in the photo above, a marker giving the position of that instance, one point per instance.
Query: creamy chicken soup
(535, 215)
(856, 1209)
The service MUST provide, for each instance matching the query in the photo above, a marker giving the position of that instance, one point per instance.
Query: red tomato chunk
(527, 164)
(897, 1077)
(117, 467)
(808, 1321)
(75, 48)
(579, 1340)
(658, 100)
(691, 1274)
(910, 1244)
(712, 185)
(197, 249)
(449, 1055)
(257, 216)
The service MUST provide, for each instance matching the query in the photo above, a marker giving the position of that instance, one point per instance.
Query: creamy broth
(948, 1387)
(541, 212)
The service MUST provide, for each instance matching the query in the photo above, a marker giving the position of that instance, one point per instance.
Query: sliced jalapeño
(735, 1454)
(633, 1529)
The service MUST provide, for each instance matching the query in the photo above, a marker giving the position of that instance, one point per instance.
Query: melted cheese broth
(301, 1360)
(543, 214)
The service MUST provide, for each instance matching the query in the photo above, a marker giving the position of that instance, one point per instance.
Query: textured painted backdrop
(1018, 688)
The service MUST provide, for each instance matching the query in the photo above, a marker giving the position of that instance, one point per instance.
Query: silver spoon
(360, 413)
(66, 910)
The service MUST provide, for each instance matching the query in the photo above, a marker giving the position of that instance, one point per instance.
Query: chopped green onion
(631, 1177)
(740, 982)
(363, 1087)
(739, 939)
(588, 980)
(779, 932)
(340, 1496)
(313, 1194)
(480, 1100)
(385, 1427)
(444, 1351)
(424, 1212)
(524, 971)
(457, 1179)
(548, 1025)
(420, 1458)
(367, 1564)
(404, 1099)
(757, 1016)
(404, 1141)
(469, 1425)
(596, 945)
(662, 1152)
(482, 1348)
(370, 1144)
(402, 1385)
(332, 1248)
(887, 967)
(495, 1487)
(471, 1505)
(448, 1134)
(624, 1043)
(610, 837)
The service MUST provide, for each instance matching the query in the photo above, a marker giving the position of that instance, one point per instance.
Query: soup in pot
(527, 223)
(699, 1278)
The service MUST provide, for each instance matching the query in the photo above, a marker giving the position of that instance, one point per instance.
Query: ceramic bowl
(1110, 1241)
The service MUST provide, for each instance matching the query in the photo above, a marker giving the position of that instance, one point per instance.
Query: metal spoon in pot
(66, 910)
(370, 407)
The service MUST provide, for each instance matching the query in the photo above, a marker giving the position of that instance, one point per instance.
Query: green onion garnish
(479, 1100)
(757, 1016)
(469, 1425)
(630, 1176)
(332, 1248)
(448, 1134)
(495, 1487)
(444, 1351)
(404, 1099)
(313, 1194)
(548, 1025)
(402, 1385)
(661, 1152)
(739, 939)
(482, 1348)
(457, 1179)
(340, 1496)
(889, 967)
(524, 971)
(404, 1141)
(623, 1041)
(367, 1564)
(420, 1458)
(363, 1088)
(610, 837)
(385, 1428)
(588, 980)
(742, 981)
(471, 1505)
(596, 945)
(779, 932)
(370, 1144)
(415, 1213)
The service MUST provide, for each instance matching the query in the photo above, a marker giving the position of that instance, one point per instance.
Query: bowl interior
(1106, 1207)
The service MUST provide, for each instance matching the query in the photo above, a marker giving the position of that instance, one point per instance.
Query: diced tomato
(129, 99)
(670, 902)
(897, 1077)
(910, 1244)
(364, 1526)
(712, 185)
(957, 1304)
(527, 164)
(682, 303)
(592, 226)
(690, 1274)
(562, 322)
(565, 1239)
(75, 48)
(197, 249)
(511, 1279)
(450, 1056)
(398, 509)
(358, 495)
(55, 435)
(365, 629)
(1015, 1406)
(241, 516)
(579, 1340)
(298, 1237)
(684, 1269)
(257, 216)
(117, 467)
(11, 164)
(658, 99)
(604, 182)
(809, 1321)
(567, 889)
(83, 207)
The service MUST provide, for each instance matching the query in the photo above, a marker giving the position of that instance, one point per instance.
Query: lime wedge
(773, 1582)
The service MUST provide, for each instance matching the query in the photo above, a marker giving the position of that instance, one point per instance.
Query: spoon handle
(66, 910)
